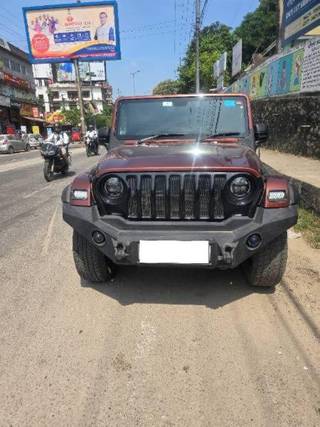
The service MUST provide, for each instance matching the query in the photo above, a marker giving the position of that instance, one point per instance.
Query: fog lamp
(254, 241)
(98, 237)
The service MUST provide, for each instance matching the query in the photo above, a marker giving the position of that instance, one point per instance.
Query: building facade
(19, 108)
(56, 89)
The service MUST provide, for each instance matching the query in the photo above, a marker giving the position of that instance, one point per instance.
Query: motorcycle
(54, 161)
(91, 146)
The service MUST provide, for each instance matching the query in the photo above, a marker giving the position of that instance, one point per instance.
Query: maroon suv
(181, 184)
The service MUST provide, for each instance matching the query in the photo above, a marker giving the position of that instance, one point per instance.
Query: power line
(203, 11)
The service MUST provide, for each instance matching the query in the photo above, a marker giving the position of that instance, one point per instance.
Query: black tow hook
(120, 250)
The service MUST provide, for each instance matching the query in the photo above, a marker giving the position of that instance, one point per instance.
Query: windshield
(192, 116)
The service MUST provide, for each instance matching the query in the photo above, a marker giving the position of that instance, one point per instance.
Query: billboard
(299, 17)
(220, 66)
(237, 58)
(61, 33)
(66, 73)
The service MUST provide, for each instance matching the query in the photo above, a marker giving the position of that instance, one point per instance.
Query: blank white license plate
(173, 252)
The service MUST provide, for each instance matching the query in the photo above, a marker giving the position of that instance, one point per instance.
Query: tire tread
(90, 263)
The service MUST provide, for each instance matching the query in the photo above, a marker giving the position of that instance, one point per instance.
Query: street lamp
(134, 81)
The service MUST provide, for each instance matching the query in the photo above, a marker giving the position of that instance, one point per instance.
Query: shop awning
(34, 119)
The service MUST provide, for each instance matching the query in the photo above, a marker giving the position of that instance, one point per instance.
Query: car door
(19, 142)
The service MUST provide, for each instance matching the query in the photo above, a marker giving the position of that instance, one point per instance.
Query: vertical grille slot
(174, 196)
(218, 209)
(133, 197)
(160, 197)
(204, 196)
(146, 193)
(189, 196)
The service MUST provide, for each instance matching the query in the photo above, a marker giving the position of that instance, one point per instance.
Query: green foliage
(309, 225)
(257, 30)
(103, 119)
(166, 87)
(72, 116)
(214, 40)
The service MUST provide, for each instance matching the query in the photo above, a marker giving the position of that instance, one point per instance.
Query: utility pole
(198, 20)
(78, 82)
(133, 75)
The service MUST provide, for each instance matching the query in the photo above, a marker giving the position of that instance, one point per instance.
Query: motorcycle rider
(60, 138)
(93, 136)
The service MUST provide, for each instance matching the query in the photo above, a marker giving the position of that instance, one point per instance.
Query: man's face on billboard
(103, 18)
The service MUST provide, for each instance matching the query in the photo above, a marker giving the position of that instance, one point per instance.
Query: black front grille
(175, 196)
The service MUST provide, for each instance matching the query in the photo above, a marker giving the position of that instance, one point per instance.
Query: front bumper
(227, 239)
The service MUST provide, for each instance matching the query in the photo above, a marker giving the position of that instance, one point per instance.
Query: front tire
(10, 150)
(47, 170)
(266, 268)
(90, 263)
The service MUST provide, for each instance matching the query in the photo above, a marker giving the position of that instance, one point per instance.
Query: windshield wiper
(221, 134)
(159, 135)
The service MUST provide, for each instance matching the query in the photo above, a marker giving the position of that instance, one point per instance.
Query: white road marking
(47, 239)
(27, 196)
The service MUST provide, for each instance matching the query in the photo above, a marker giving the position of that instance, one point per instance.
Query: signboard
(66, 72)
(4, 101)
(35, 130)
(61, 33)
(237, 58)
(311, 67)
(220, 82)
(220, 66)
(299, 17)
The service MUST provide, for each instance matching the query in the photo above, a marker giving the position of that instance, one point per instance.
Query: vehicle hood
(210, 156)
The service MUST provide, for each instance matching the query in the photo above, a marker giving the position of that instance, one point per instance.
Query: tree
(258, 29)
(72, 116)
(214, 40)
(166, 87)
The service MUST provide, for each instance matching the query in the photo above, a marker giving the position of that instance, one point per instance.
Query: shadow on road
(187, 286)
(58, 176)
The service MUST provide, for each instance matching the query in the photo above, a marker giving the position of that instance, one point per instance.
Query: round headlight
(114, 186)
(240, 186)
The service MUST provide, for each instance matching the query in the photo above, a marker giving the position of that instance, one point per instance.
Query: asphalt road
(159, 347)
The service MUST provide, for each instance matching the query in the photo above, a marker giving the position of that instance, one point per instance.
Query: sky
(154, 35)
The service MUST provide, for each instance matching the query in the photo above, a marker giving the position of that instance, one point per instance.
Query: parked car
(182, 184)
(12, 143)
(34, 140)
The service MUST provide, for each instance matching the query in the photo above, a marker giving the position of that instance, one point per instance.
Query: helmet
(57, 127)
(90, 127)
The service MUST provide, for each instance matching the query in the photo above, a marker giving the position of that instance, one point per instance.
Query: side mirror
(104, 136)
(261, 133)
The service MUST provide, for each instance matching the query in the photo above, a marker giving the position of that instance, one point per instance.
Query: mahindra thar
(181, 184)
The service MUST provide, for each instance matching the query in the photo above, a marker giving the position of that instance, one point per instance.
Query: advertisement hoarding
(66, 73)
(311, 67)
(61, 33)
(220, 66)
(237, 58)
(299, 17)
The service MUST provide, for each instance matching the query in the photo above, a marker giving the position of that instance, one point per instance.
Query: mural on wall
(296, 70)
(282, 75)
